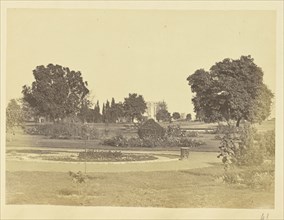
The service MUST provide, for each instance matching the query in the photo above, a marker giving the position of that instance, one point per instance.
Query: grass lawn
(173, 188)
(196, 188)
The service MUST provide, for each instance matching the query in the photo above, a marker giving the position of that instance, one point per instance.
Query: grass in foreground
(198, 188)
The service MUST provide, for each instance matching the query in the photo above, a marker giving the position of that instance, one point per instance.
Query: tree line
(232, 90)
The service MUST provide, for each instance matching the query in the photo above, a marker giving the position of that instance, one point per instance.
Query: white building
(151, 110)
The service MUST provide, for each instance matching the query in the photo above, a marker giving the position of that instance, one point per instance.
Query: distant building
(151, 110)
(182, 116)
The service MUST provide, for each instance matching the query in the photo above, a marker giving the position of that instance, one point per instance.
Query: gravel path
(196, 160)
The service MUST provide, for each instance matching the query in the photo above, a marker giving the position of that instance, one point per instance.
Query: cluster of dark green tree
(131, 109)
(58, 93)
(110, 112)
(231, 90)
(164, 115)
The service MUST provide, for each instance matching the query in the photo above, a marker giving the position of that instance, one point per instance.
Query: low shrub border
(120, 141)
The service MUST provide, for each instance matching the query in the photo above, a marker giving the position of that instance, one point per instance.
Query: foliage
(116, 141)
(175, 130)
(29, 113)
(162, 112)
(120, 141)
(256, 177)
(86, 113)
(97, 117)
(113, 112)
(246, 147)
(176, 115)
(95, 155)
(188, 117)
(151, 129)
(134, 106)
(225, 129)
(192, 134)
(78, 178)
(99, 155)
(163, 115)
(231, 90)
(64, 131)
(266, 142)
(57, 91)
(14, 116)
(162, 106)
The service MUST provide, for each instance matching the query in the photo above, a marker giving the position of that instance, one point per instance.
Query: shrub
(192, 134)
(116, 141)
(175, 131)
(120, 141)
(64, 131)
(151, 129)
(232, 177)
(239, 148)
(225, 129)
(99, 155)
(266, 142)
(247, 149)
(256, 177)
(67, 192)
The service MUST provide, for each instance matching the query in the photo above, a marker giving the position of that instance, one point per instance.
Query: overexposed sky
(149, 52)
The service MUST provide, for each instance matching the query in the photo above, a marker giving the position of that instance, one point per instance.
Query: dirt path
(196, 160)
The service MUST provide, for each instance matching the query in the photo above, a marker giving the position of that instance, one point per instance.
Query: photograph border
(70, 212)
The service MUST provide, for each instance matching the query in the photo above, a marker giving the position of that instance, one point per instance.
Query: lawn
(196, 188)
(169, 186)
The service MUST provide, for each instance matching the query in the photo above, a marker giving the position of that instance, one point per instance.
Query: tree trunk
(238, 122)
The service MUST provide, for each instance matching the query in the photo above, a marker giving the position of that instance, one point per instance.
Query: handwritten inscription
(264, 217)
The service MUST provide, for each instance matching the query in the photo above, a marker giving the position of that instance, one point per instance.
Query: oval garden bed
(112, 156)
(82, 156)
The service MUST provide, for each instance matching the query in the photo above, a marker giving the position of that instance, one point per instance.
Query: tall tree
(134, 106)
(162, 112)
(85, 113)
(163, 115)
(162, 106)
(107, 115)
(118, 111)
(97, 117)
(57, 91)
(112, 102)
(231, 90)
(104, 113)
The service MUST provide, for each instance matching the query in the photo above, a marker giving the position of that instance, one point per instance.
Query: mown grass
(197, 188)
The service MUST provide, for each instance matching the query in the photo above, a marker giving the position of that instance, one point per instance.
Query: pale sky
(149, 52)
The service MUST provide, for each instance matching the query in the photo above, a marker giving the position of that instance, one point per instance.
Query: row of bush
(150, 129)
(120, 141)
(64, 131)
(97, 155)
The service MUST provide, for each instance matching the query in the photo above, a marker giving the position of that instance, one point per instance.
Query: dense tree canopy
(134, 106)
(57, 91)
(176, 115)
(162, 112)
(231, 90)
(188, 117)
(163, 115)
